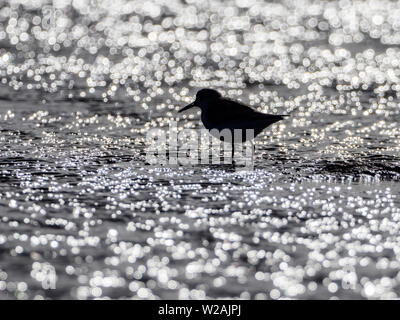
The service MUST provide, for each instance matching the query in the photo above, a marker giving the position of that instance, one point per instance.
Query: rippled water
(83, 81)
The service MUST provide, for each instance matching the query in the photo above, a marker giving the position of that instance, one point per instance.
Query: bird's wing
(239, 115)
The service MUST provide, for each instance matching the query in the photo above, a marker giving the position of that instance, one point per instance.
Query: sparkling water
(83, 216)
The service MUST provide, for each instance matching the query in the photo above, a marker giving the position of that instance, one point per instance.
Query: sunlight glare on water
(83, 81)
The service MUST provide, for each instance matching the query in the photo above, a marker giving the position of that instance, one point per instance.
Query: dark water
(318, 217)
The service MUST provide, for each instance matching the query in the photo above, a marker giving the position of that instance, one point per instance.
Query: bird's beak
(187, 107)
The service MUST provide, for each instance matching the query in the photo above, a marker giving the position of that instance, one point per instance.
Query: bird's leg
(233, 153)
(253, 149)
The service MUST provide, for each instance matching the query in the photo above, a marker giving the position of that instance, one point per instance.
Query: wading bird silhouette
(221, 113)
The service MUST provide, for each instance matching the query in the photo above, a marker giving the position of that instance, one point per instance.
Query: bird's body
(232, 115)
(218, 114)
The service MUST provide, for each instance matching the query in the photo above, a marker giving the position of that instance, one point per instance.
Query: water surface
(83, 82)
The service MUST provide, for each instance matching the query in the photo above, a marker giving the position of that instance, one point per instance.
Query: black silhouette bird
(222, 113)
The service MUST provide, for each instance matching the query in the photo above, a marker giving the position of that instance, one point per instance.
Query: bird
(222, 113)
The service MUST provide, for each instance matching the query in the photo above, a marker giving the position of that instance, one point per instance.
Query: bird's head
(203, 98)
